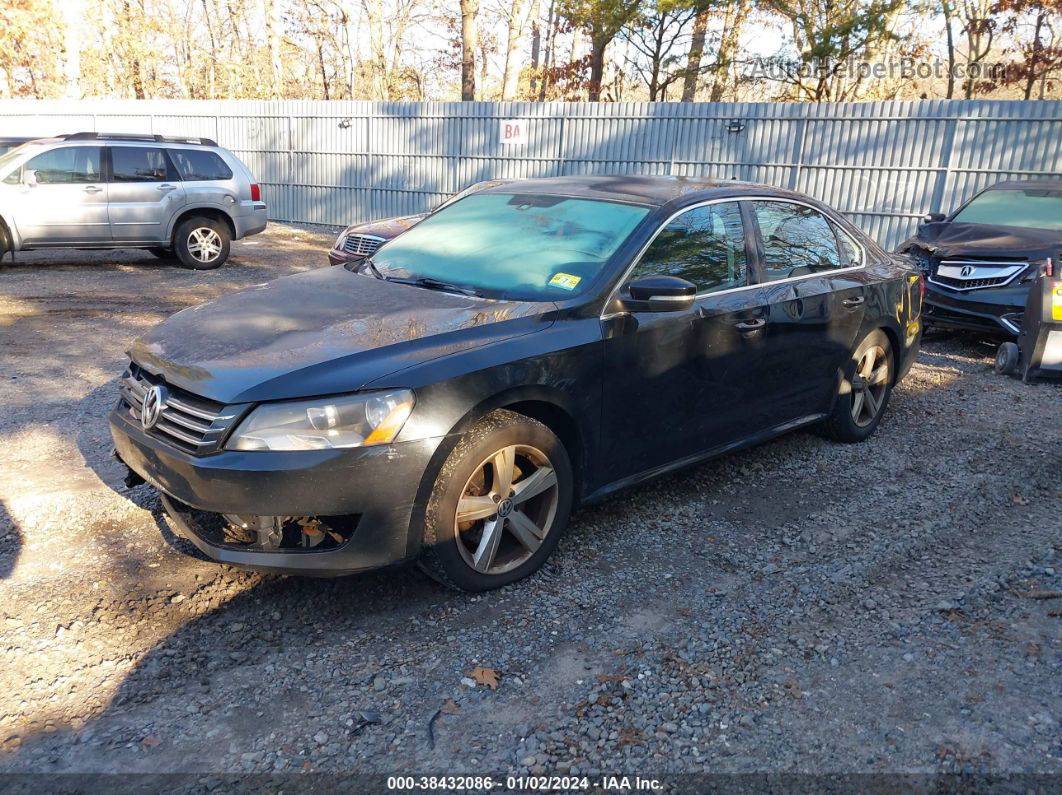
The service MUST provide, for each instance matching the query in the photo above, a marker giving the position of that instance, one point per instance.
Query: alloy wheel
(869, 384)
(204, 244)
(506, 509)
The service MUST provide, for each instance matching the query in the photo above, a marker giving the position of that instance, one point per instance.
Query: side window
(851, 252)
(796, 240)
(66, 165)
(705, 245)
(199, 164)
(140, 164)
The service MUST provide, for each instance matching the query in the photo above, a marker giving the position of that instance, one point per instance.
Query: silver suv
(186, 197)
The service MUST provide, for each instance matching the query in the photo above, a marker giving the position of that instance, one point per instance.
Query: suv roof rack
(98, 136)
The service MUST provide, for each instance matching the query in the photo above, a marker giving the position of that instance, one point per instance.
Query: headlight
(340, 241)
(348, 421)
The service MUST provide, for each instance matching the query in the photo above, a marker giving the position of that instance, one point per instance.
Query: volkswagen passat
(530, 347)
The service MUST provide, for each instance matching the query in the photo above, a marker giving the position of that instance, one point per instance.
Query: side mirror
(29, 178)
(662, 294)
(932, 218)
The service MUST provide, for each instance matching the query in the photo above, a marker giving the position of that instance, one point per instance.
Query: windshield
(530, 247)
(13, 154)
(1030, 208)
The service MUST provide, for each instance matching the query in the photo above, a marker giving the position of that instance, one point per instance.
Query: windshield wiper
(429, 283)
(374, 269)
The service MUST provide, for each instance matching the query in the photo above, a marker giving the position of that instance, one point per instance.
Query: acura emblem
(967, 271)
(154, 403)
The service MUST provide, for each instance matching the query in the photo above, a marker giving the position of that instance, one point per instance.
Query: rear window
(199, 164)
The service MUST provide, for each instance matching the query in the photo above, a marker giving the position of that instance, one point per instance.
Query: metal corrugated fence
(883, 164)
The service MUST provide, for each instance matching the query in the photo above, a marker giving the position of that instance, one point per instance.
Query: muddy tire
(499, 505)
(864, 390)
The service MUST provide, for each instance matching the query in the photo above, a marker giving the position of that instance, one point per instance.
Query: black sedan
(530, 347)
(980, 261)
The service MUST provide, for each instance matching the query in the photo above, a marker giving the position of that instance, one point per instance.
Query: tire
(859, 407)
(201, 243)
(465, 558)
(1007, 356)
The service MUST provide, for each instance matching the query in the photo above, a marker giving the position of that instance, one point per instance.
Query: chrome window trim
(638, 258)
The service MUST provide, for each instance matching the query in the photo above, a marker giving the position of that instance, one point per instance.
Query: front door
(63, 198)
(679, 383)
(145, 193)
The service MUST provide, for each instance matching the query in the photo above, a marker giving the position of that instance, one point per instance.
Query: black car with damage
(980, 261)
(530, 347)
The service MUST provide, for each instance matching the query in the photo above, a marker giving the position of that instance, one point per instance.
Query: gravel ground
(799, 607)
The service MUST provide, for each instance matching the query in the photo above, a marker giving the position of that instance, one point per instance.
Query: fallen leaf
(1017, 499)
(485, 676)
(150, 741)
(450, 707)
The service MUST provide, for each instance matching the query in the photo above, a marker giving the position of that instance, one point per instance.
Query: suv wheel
(499, 505)
(201, 243)
(865, 391)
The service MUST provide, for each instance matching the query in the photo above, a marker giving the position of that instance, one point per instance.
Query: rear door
(145, 193)
(816, 295)
(65, 201)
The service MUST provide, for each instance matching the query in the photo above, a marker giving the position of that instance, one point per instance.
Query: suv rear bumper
(380, 485)
(252, 223)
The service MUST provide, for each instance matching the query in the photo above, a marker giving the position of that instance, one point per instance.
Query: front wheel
(499, 505)
(201, 243)
(864, 391)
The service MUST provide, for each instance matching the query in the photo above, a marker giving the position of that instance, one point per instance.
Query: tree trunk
(513, 44)
(597, 67)
(469, 45)
(945, 7)
(1030, 77)
(736, 14)
(693, 60)
(536, 44)
(276, 76)
(551, 43)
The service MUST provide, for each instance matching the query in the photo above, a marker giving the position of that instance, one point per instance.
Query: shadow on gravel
(10, 542)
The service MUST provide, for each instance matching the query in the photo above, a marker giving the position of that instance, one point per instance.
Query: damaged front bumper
(998, 309)
(368, 501)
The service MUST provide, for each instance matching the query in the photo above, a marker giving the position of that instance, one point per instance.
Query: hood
(319, 333)
(387, 228)
(981, 240)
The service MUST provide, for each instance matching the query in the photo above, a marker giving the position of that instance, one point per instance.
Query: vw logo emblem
(967, 270)
(505, 508)
(154, 403)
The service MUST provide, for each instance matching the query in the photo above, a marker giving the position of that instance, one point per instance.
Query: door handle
(167, 187)
(855, 301)
(92, 189)
(751, 325)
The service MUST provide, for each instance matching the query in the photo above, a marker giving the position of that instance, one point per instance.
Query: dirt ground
(891, 607)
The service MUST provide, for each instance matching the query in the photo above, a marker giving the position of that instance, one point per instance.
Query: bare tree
(469, 45)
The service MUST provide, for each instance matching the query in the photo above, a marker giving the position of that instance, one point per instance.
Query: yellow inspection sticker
(565, 281)
(1056, 304)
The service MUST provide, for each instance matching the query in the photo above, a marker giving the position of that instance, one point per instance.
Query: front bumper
(336, 257)
(382, 485)
(997, 309)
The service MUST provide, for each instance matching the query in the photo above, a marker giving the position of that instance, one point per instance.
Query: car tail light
(1049, 268)
(921, 288)
(256, 192)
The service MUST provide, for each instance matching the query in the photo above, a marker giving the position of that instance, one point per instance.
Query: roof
(1048, 183)
(631, 188)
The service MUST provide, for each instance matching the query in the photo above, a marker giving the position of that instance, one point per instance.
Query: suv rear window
(140, 164)
(196, 164)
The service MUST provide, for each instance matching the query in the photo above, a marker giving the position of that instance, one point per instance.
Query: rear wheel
(201, 243)
(499, 505)
(864, 391)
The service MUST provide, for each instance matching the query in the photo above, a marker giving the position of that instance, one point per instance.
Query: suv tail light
(256, 192)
